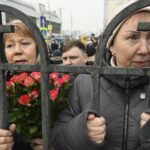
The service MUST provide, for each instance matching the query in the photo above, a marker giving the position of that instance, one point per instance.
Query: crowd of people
(57, 48)
(123, 119)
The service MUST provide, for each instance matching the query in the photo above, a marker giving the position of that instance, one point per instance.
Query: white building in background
(110, 6)
(22, 6)
(34, 12)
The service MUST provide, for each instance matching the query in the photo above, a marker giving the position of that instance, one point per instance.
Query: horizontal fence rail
(79, 69)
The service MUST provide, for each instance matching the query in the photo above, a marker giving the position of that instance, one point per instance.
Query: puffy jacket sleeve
(69, 132)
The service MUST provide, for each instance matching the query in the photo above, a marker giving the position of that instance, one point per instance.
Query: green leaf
(20, 115)
(12, 118)
(18, 128)
(16, 109)
(33, 129)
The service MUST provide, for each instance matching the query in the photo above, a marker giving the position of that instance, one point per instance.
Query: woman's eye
(9, 46)
(25, 43)
(132, 37)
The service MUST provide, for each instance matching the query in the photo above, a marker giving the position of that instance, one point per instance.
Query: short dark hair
(90, 50)
(73, 43)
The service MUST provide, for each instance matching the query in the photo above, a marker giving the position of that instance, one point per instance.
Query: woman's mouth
(142, 64)
(21, 62)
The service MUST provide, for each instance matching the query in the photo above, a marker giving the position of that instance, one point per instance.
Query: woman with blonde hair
(20, 48)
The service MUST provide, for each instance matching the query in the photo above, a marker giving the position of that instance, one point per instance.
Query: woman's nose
(144, 47)
(18, 49)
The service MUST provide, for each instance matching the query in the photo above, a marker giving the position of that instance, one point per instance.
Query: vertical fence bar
(96, 95)
(3, 102)
(46, 116)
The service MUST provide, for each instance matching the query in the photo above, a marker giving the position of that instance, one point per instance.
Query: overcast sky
(81, 15)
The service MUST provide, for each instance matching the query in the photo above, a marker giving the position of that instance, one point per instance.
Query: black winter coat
(122, 100)
(20, 145)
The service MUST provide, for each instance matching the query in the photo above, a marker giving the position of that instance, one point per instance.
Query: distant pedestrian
(74, 53)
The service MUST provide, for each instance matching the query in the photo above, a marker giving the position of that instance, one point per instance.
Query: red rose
(9, 84)
(28, 81)
(24, 100)
(66, 77)
(53, 94)
(22, 76)
(19, 78)
(15, 79)
(36, 76)
(58, 82)
(54, 75)
(34, 94)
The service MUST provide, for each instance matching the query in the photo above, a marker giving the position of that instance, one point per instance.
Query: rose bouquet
(24, 101)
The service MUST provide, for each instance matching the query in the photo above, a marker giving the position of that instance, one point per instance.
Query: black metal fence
(45, 67)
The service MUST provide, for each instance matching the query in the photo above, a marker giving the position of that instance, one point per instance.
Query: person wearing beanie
(122, 121)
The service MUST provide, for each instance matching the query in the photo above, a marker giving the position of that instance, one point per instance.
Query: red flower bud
(34, 94)
(9, 84)
(66, 77)
(58, 82)
(28, 81)
(53, 94)
(22, 76)
(19, 78)
(53, 75)
(24, 99)
(36, 76)
(15, 79)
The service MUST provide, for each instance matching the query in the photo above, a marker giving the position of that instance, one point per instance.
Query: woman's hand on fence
(144, 118)
(37, 144)
(96, 128)
(6, 138)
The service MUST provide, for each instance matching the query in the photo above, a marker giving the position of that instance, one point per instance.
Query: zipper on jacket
(126, 115)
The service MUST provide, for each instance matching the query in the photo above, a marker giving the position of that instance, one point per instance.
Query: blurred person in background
(91, 52)
(94, 39)
(74, 53)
